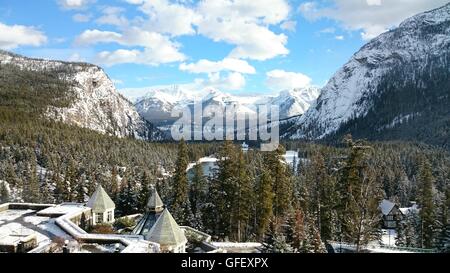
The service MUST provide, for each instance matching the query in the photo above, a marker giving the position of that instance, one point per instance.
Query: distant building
(102, 207)
(413, 208)
(157, 225)
(391, 214)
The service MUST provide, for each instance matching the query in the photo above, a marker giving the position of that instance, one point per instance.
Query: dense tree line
(331, 193)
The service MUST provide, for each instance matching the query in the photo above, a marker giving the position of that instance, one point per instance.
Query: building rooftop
(386, 206)
(154, 202)
(100, 201)
(166, 231)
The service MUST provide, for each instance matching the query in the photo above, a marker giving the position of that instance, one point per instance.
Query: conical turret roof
(166, 231)
(100, 201)
(154, 202)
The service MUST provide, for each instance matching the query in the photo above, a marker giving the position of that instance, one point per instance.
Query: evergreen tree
(442, 231)
(11, 177)
(71, 180)
(264, 211)
(30, 192)
(80, 191)
(281, 182)
(400, 238)
(4, 193)
(144, 194)
(275, 241)
(314, 240)
(127, 200)
(243, 200)
(322, 199)
(60, 190)
(224, 188)
(180, 184)
(427, 211)
(198, 195)
(115, 188)
(296, 231)
(360, 195)
(46, 193)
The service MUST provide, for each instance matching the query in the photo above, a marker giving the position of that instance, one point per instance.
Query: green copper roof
(100, 201)
(166, 231)
(154, 202)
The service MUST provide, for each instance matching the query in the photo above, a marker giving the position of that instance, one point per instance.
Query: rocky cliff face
(419, 46)
(96, 104)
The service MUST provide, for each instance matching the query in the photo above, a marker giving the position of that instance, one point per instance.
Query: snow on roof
(386, 206)
(100, 201)
(62, 209)
(137, 247)
(154, 202)
(412, 209)
(166, 231)
(16, 223)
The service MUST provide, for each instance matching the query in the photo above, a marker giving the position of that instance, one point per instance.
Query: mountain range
(396, 87)
(157, 105)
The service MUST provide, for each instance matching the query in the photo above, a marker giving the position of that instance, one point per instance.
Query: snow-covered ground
(388, 237)
(230, 247)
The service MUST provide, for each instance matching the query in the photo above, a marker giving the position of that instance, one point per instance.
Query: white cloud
(13, 36)
(95, 36)
(371, 17)
(75, 4)
(245, 24)
(169, 18)
(242, 23)
(229, 64)
(147, 56)
(289, 25)
(82, 18)
(231, 82)
(282, 80)
(158, 49)
(340, 37)
(112, 16)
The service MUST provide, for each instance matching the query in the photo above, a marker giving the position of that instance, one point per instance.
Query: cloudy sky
(240, 46)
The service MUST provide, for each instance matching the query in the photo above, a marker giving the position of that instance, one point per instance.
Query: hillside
(395, 88)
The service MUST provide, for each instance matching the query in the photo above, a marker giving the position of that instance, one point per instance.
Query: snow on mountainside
(158, 104)
(348, 93)
(97, 104)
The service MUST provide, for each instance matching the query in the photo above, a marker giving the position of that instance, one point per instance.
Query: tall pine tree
(427, 210)
(180, 207)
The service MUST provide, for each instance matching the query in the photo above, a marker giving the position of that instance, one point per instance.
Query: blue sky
(240, 46)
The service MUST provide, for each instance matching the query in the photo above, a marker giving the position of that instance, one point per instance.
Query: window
(110, 216)
(99, 218)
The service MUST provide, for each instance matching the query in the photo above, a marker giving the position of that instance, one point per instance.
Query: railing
(410, 249)
(337, 245)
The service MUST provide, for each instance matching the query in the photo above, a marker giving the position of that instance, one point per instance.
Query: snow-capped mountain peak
(347, 94)
(157, 104)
